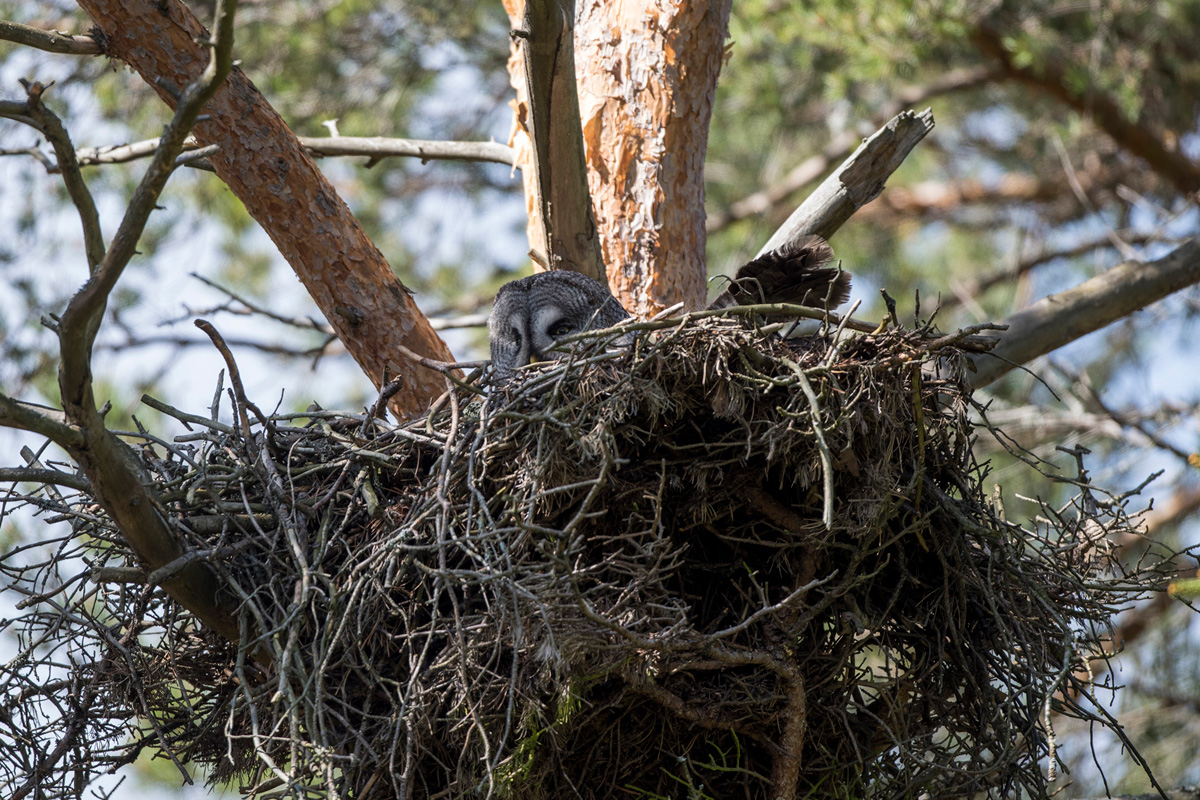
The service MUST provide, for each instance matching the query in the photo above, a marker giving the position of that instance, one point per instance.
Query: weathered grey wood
(554, 126)
(1059, 319)
(858, 181)
(375, 147)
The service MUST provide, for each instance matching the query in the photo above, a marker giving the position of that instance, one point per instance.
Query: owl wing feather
(795, 273)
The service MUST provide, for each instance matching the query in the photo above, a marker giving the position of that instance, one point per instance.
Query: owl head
(530, 315)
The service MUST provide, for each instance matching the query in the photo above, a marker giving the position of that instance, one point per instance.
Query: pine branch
(266, 167)
(1062, 318)
(1051, 77)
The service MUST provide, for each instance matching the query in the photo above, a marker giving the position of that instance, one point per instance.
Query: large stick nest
(714, 563)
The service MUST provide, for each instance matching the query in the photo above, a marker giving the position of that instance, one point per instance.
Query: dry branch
(842, 146)
(48, 422)
(1061, 318)
(550, 118)
(374, 147)
(936, 198)
(858, 181)
(380, 147)
(975, 287)
(119, 481)
(51, 41)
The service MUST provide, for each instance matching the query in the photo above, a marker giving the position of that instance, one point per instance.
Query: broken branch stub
(858, 181)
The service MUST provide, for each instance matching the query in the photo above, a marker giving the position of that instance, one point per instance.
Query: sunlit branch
(376, 148)
(842, 145)
(858, 181)
(562, 199)
(1064, 317)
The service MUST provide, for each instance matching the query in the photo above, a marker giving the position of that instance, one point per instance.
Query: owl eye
(560, 328)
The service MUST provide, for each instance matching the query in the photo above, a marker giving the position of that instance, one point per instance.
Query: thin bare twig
(52, 128)
(235, 378)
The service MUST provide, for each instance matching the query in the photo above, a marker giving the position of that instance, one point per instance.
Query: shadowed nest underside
(713, 564)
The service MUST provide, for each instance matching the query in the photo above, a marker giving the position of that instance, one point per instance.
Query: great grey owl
(531, 314)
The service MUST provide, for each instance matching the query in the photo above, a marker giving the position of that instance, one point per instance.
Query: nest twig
(713, 558)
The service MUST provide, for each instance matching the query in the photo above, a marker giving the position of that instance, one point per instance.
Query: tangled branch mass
(716, 562)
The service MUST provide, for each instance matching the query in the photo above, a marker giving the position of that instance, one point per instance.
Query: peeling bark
(268, 169)
(647, 75)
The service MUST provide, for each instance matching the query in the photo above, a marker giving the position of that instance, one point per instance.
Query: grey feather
(530, 315)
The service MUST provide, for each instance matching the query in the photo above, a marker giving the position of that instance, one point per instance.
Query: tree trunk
(647, 75)
(268, 169)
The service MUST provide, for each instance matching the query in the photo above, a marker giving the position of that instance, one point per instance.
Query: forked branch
(117, 478)
(268, 169)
